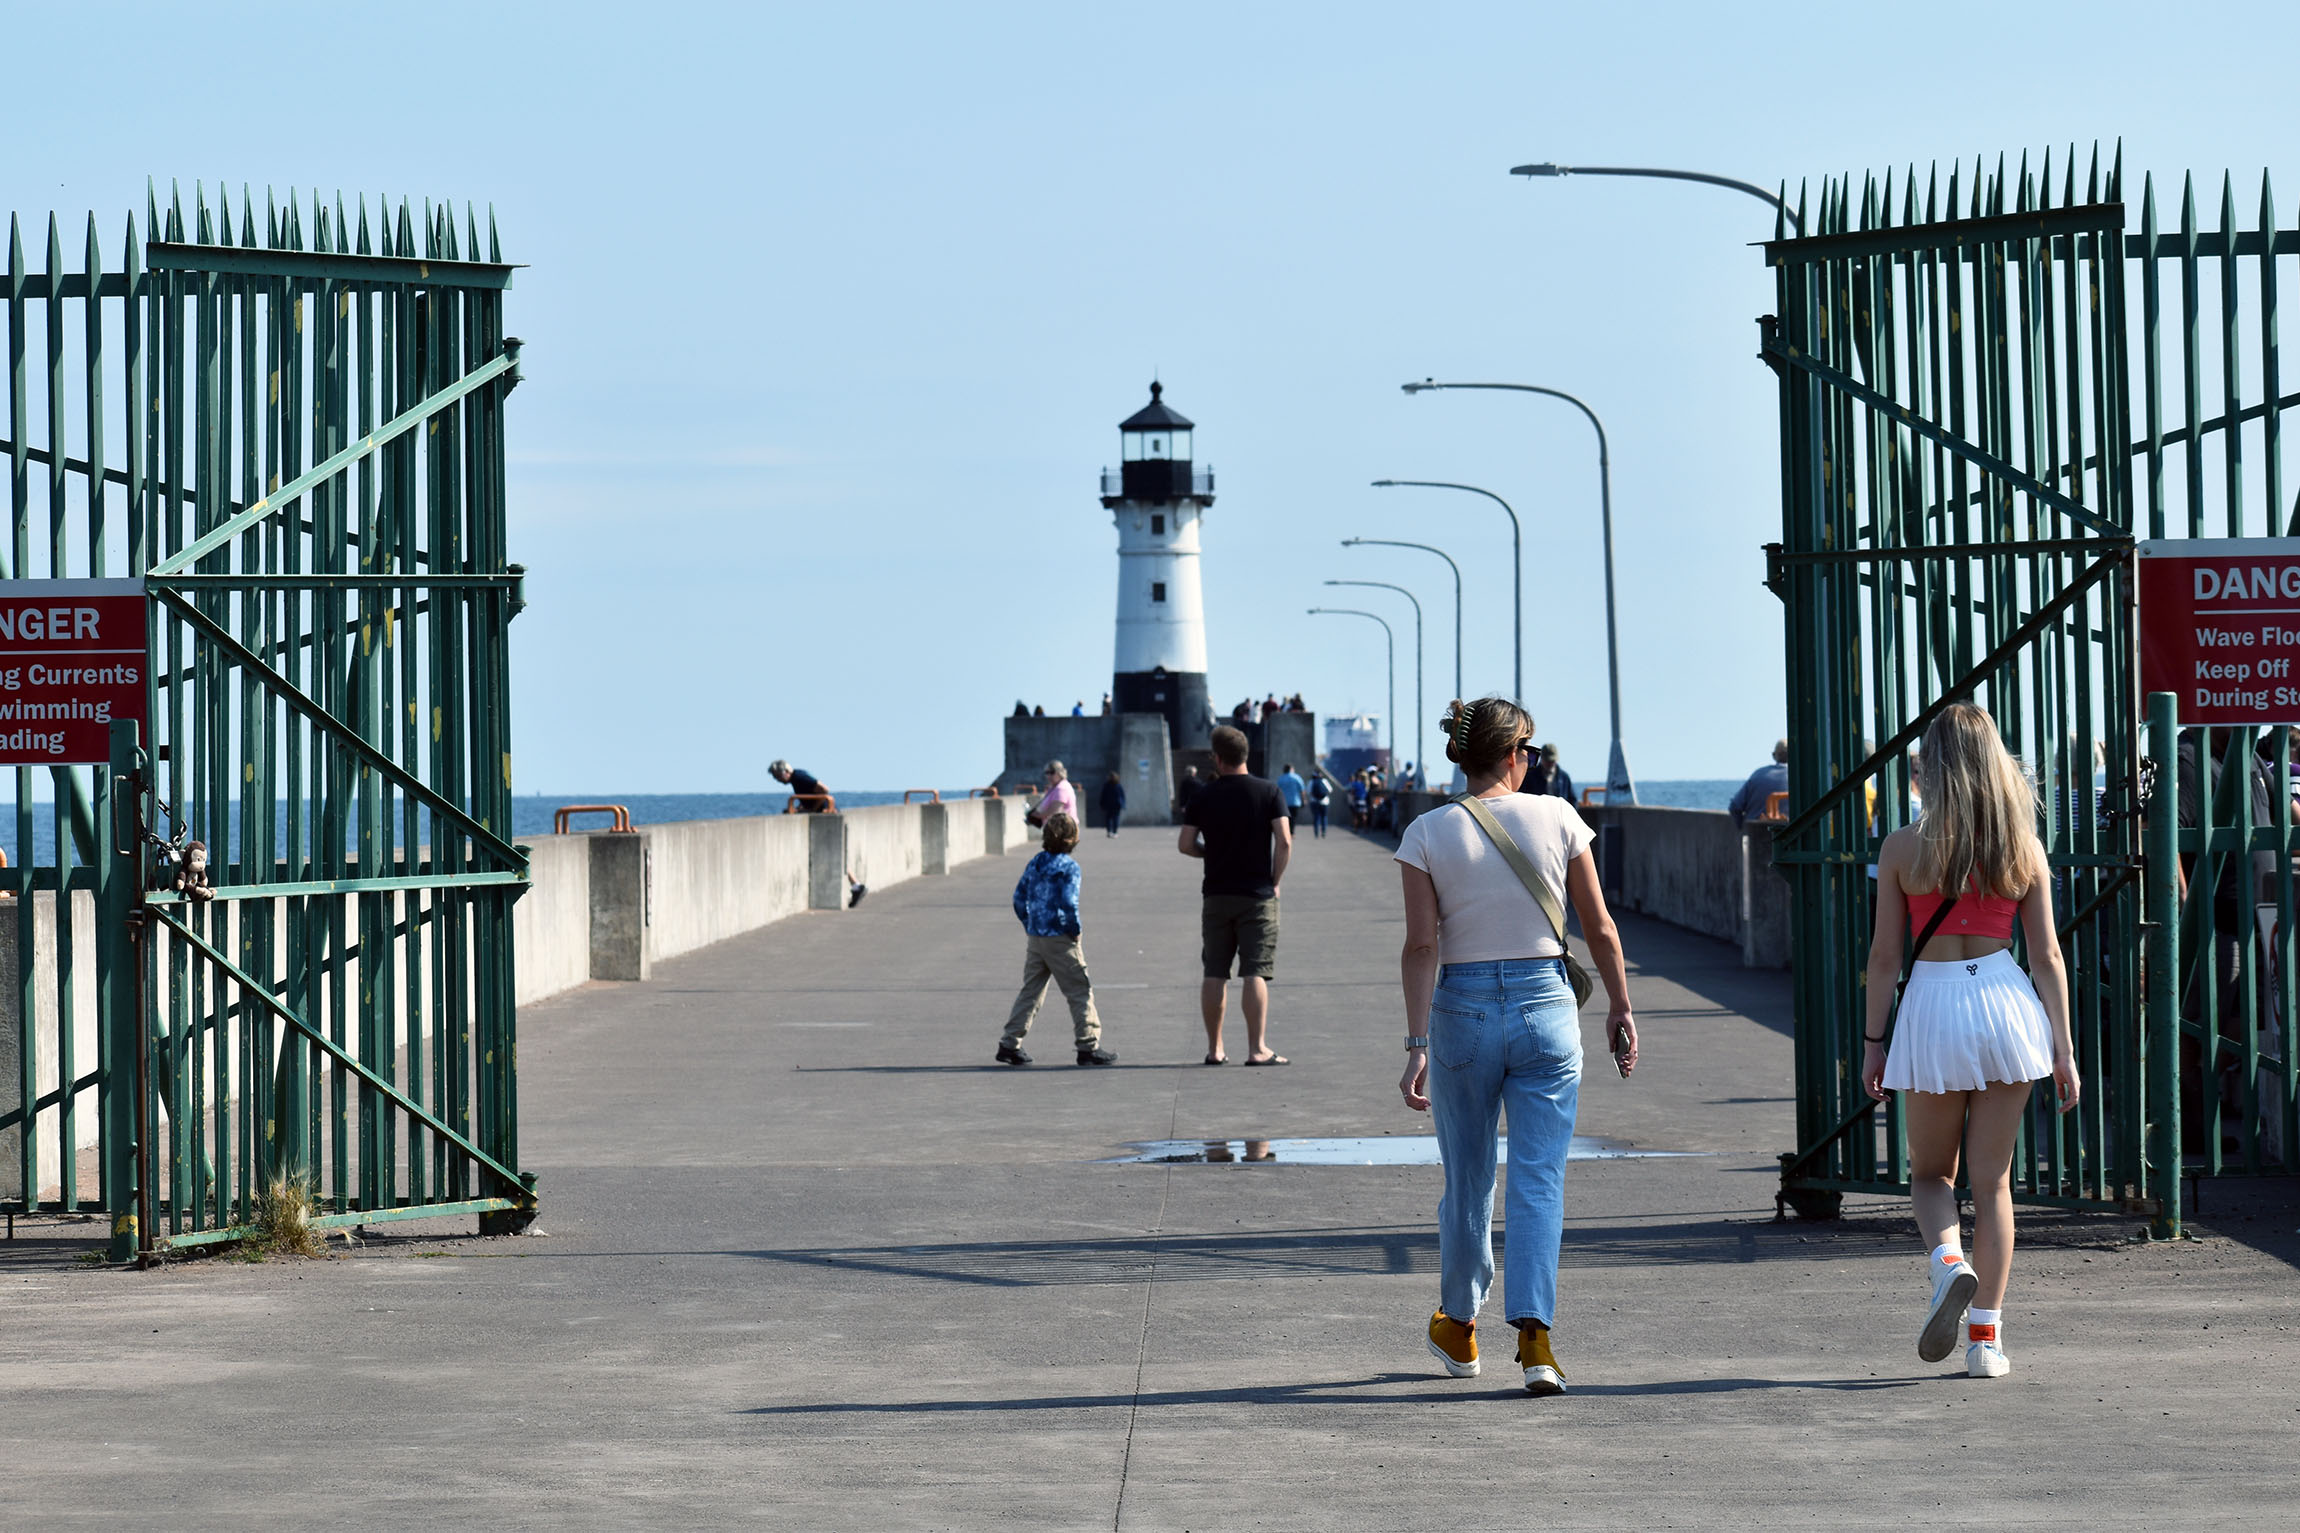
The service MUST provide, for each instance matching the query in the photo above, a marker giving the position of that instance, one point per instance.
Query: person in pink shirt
(1059, 797)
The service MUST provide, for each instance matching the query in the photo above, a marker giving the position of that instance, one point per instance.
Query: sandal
(1274, 1059)
(1217, 1059)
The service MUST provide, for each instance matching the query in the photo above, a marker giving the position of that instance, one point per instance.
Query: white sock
(1947, 1254)
(1982, 1316)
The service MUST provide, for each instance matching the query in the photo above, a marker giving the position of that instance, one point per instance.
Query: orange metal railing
(932, 796)
(1592, 797)
(799, 801)
(1776, 807)
(989, 792)
(560, 817)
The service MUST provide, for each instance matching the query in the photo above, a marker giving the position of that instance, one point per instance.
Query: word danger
(2261, 582)
(49, 623)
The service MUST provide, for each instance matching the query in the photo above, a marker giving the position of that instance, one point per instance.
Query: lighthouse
(1158, 498)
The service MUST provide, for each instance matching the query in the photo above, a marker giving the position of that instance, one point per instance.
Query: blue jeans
(1503, 1034)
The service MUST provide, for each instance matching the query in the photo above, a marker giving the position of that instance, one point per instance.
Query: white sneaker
(1952, 1291)
(1987, 1360)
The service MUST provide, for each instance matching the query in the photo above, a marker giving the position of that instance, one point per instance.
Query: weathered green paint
(1961, 488)
(310, 480)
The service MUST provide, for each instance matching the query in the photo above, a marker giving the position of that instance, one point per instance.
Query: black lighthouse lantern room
(1154, 444)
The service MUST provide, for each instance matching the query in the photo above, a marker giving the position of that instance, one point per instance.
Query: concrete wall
(551, 922)
(715, 879)
(1134, 745)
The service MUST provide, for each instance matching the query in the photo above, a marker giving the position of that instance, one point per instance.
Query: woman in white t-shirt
(1499, 1018)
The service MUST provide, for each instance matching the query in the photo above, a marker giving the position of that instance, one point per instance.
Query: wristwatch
(1418, 1041)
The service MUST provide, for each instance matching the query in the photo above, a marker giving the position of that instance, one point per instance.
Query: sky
(831, 313)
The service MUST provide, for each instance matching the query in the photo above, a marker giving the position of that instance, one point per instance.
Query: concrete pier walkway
(808, 1260)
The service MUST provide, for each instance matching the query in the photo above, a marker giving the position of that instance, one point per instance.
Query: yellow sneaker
(1454, 1343)
(1540, 1364)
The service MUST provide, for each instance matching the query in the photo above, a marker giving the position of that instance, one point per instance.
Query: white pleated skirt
(1966, 1022)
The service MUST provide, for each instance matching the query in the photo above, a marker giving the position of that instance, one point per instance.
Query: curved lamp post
(1752, 188)
(1618, 784)
(1448, 558)
(1419, 764)
(1516, 574)
(1393, 651)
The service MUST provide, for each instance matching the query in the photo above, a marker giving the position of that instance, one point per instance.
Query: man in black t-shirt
(1239, 825)
(806, 789)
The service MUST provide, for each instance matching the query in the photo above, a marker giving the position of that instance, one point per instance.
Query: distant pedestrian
(1295, 704)
(1021, 709)
(1546, 776)
(1771, 778)
(1113, 803)
(1046, 903)
(1059, 797)
(1972, 1034)
(1038, 710)
(1187, 788)
(808, 795)
(1243, 713)
(1490, 990)
(1238, 824)
(1270, 707)
(1107, 709)
(1321, 797)
(1078, 709)
(1294, 791)
(1361, 796)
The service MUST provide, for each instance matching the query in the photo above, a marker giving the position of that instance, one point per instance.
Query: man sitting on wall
(806, 789)
(1763, 783)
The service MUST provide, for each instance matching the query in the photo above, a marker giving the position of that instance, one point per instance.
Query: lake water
(531, 815)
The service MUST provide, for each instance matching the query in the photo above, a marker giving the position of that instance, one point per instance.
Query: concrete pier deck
(808, 1260)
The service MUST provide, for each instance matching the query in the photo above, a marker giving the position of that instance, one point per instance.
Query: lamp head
(1385, 484)
(1543, 169)
(1416, 388)
(1352, 542)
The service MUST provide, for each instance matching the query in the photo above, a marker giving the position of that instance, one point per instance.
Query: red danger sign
(2220, 628)
(72, 659)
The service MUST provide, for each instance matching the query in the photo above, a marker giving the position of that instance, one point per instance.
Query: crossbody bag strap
(1909, 963)
(1519, 863)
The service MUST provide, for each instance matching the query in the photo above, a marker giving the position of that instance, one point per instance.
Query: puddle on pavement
(1388, 1150)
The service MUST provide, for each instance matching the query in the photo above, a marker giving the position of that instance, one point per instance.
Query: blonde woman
(1972, 1032)
(1487, 998)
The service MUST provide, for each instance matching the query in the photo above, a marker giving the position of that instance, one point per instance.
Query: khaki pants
(1061, 960)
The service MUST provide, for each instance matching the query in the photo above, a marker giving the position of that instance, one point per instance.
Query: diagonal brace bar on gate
(287, 1014)
(1987, 463)
(1914, 730)
(384, 767)
(294, 490)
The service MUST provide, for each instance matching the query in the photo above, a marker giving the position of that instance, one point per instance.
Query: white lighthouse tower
(1158, 497)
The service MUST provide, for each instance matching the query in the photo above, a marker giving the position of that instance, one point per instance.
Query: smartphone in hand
(1621, 1052)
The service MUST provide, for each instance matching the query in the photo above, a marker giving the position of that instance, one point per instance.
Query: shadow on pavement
(1320, 1392)
(1396, 1252)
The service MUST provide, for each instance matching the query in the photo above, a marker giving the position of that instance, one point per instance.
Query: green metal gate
(292, 429)
(1962, 487)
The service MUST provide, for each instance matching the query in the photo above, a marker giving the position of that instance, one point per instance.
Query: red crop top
(1975, 915)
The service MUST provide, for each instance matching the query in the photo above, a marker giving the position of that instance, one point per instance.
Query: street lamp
(1393, 651)
(1618, 785)
(1448, 558)
(1516, 579)
(1751, 187)
(1419, 762)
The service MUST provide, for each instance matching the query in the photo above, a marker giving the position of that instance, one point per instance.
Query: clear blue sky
(832, 312)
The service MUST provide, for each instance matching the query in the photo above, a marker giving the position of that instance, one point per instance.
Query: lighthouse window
(1157, 524)
(1157, 590)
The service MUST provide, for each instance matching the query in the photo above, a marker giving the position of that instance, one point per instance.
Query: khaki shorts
(1243, 927)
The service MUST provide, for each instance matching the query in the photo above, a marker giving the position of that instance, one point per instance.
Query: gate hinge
(1768, 349)
(1776, 571)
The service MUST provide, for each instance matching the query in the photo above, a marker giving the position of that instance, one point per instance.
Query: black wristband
(1866, 1038)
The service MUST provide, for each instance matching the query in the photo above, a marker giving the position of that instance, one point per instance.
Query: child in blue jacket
(1046, 903)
